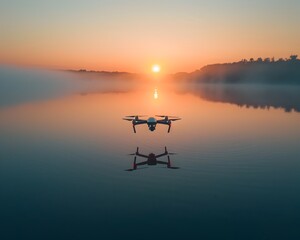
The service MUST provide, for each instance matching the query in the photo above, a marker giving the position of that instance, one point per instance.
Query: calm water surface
(63, 158)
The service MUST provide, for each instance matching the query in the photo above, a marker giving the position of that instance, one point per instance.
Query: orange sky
(133, 35)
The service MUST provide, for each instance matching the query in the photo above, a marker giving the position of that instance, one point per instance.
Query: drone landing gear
(169, 127)
(133, 126)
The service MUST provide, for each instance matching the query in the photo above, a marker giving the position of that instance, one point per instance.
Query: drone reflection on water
(152, 160)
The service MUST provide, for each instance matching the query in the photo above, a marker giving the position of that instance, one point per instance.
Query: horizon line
(243, 60)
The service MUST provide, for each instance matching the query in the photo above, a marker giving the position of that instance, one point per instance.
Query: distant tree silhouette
(293, 57)
(267, 71)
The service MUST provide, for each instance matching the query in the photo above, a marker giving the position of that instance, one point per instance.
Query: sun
(155, 68)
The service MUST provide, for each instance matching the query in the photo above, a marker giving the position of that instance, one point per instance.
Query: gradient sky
(180, 35)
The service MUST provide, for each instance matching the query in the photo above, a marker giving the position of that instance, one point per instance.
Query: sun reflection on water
(155, 94)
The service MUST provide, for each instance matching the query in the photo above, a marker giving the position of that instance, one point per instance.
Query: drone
(151, 160)
(151, 121)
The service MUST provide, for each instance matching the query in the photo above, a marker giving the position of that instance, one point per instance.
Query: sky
(131, 35)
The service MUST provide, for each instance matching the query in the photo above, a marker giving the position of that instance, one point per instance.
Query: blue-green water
(63, 156)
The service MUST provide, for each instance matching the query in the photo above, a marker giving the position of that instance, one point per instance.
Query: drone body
(151, 121)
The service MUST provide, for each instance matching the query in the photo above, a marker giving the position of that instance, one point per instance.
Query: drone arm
(138, 122)
(142, 155)
(133, 126)
(162, 162)
(161, 155)
(141, 163)
(162, 122)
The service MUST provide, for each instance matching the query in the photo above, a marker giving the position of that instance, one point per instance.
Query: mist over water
(19, 85)
(64, 149)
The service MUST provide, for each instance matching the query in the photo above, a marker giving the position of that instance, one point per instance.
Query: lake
(65, 150)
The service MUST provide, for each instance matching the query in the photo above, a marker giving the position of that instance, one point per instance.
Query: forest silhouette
(265, 71)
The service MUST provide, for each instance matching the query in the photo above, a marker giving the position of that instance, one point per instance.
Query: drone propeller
(127, 119)
(166, 116)
(133, 154)
(170, 118)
